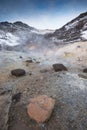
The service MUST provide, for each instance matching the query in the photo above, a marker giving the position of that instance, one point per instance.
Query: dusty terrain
(69, 88)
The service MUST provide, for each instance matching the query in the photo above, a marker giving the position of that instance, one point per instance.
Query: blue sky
(42, 14)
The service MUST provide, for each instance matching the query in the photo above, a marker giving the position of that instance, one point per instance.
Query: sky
(42, 14)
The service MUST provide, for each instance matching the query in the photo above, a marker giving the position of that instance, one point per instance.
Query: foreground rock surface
(18, 72)
(40, 108)
(68, 88)
(59, 67)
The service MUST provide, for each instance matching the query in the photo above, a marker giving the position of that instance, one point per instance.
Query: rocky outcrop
(74, 30)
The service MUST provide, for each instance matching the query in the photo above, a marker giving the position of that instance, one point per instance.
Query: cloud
(46, 20)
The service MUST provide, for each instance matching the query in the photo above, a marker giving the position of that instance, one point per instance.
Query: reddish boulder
(40, 108)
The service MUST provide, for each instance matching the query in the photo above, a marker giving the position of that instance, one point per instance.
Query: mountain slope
(13, 34)
(21, 37)
(75, 30)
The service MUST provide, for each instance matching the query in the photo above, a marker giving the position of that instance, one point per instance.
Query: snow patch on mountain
(71, 25)
(84, 34)
(84, 18)
(73, 31)
(54, 39)
(9, 39)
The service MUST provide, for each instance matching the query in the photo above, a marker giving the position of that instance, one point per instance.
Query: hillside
(75, 30)
(19, 36)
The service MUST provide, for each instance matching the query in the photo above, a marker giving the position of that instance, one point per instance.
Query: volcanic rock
(29, 61)
(85, 70)
(16, 97)
(59, 67)
(18, 72)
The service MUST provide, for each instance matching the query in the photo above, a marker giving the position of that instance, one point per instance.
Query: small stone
(59, 67)
(44, 71)
(78, 46)
(40, 108)
(16, 97)
(18, 72)
(38, 62)
(85, 70)
(29, 61)
(82, 76)
(21, 57)
(30, 74)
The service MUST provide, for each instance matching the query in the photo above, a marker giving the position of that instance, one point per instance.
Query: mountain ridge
(72, 31)
(19, 35)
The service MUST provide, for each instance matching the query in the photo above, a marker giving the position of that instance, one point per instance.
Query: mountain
(14, 34)
(75, 30)
(20, 36)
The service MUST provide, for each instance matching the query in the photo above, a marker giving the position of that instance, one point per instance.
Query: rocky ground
(68, 88)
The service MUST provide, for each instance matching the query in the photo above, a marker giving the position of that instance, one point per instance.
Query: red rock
(40, 108)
